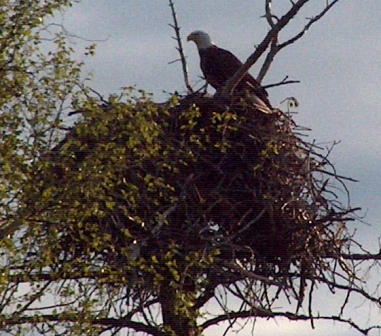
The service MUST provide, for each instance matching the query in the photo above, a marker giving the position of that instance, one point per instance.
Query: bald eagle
(218, 65)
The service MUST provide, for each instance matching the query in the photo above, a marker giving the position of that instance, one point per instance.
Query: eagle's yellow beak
(190, 37)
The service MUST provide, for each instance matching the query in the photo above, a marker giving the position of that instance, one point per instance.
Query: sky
(337, 63)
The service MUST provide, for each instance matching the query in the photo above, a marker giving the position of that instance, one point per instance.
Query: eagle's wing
(221, 65)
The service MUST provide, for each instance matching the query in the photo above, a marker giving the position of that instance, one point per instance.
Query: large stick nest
(230, 180)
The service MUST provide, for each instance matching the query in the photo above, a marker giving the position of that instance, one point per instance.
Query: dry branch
(284, 20)
(262, 313)
(308, 25)
(272, 39)
(180, 49)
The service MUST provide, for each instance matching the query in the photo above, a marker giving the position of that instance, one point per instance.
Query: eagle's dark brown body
(218, 65)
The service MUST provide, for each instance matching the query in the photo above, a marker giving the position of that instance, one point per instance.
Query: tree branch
(269, 59)
(110, 322)
(269, 16)
(358, 256)
(283, 82)
(308, 25)
(264, 313)
(251, 275)
(233, 81)
(180, 49)
(272, 37)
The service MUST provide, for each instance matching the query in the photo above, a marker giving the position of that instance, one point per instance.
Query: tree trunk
(177, 320)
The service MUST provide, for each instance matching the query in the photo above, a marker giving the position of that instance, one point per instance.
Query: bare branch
(232, 82)
(269, 15)
(180, 49)
(67, 33)
(308, 25)
(283, 82)
(357, 256)
(110, 322)
(272, 37)
(264, 313)
(251, 275)
(269, 59)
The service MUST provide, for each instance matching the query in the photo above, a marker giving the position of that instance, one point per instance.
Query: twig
(180, 49)
(269, 16)
(264, 313)
(233, 81)
(252, 275)
(336, 175)
(68, 34)
(271, 37)
(308, 25)
(283, 82)
(253, 221)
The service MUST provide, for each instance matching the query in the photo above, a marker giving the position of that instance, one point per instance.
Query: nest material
(227, 180)
(256, 181)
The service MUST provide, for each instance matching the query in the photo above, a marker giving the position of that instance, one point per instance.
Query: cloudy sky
(337, 62)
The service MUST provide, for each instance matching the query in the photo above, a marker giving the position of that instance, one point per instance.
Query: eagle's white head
(201, 39)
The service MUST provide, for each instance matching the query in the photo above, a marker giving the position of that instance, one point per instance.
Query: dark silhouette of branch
(308, 25)
(251, 275)
(109, 322)
(269, 59)
(232, 82)
(269, 16)
(271, 37)
(275, 47)
(352, 288)
(67, 33)
(180, 49)
(358, 256)
(264, 313)
(283, 82)
(336, 175)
